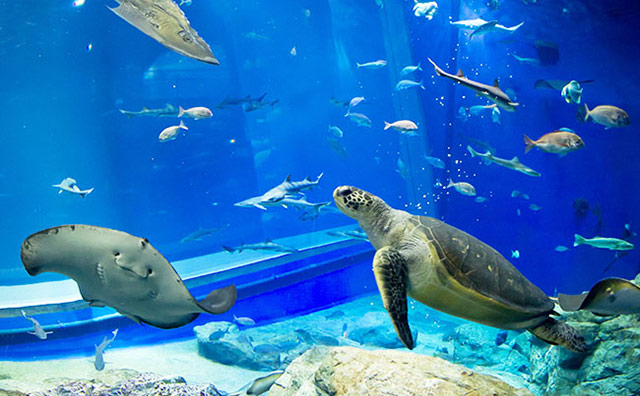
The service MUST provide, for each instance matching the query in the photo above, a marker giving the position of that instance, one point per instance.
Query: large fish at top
(165, 22)
(116, 269)
(491, 92)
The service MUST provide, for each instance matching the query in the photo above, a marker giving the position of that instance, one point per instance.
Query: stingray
(165, 22)
(610, 296)
(116, 269)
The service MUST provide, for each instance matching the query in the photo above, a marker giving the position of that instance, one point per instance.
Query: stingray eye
(117, 254)
(149, 271)
(144, 242)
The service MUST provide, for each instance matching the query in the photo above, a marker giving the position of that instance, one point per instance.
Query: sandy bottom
(174, 359)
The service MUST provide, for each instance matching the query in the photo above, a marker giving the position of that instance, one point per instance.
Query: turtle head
(356, 203)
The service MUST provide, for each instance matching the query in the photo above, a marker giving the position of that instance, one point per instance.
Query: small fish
(38, 331)
(259, 385)
(427, 10)
(495, 115)
(336, 145)
(410, 69)
(293, 51)
(518, 212)
(335, 131)
(515, 254)
(501, 337)
(403, 170)
(197, 113)
(603, 243)
(572, 92)
(463, 188)
(68, 184)
(608, 116)
(98, 363)
(561, 248)
(171, 133)
(77, 3)
(356, 101)
(406, 84)
(244, 320)
(561, 142)
(338, 102)
(481, 199)
(372, 65)
(535, 207)
(479, 110)
(435, 162)
(516, 194)
(304, 335)
(266, 349)
(610, 296)
(334, 315)
(405, 127)
(326, 340)
(360, 119)
(256, 36)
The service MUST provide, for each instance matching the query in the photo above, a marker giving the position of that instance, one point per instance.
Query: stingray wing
(165, 22)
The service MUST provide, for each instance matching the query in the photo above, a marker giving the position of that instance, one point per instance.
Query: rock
(380, 336)
(348, 371)
(141, 385)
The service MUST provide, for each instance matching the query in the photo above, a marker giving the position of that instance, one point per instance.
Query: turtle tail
(559, 333)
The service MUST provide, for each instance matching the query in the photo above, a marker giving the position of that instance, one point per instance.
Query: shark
(165, 22)
(266, 245)
(229, 101)
(200, 233)
(286, 189)
(513, 163)
(69, 185)
(477, 23)
(98, 363)
(167, 111)
(38, 331)
(491, 92)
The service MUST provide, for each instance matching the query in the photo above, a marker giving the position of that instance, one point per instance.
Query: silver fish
(463, 188)
(244, 320)
(513, 163)
(372, 65)
(165, 22)
(406, 84)
(171, 133)
(410, 69)
(603, 243)
(435, 162)
(360, 119)
(609, 116)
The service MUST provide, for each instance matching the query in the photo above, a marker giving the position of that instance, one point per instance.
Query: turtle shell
(479, 267)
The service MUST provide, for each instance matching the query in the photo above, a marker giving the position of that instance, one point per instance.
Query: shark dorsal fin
(288, 179)
(460, 73)
(515, 159)
(496, 83)
(268, 240)
(145, 108)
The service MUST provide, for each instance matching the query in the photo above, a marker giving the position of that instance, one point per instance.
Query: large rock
(347, 371)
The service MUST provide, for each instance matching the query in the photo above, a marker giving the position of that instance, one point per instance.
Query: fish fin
(180, 111)
(183, 126)
(437, 69)
(268, 240)
(145, 108)
(285, 206)
(228, 248)
(460, 73)
(579, 240)
(358, 64)
(386, 125)
(496, 83)
(583, 113)
(528, 143)
(515, 159)
(472, 151)
(565, 129)
(259, 206)
(60, 192)
(451, 183)
(572, 302)
(219, 300)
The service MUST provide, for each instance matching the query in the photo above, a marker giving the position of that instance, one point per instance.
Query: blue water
(60, 119)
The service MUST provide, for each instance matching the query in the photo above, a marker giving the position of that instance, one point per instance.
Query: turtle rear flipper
(390, 270)
(559, 333)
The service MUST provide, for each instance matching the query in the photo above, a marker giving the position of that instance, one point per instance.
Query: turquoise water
(70, 69)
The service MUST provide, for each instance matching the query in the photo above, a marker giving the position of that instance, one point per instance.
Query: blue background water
(60, 119)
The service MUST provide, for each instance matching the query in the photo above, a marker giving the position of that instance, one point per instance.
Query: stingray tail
(219, 300)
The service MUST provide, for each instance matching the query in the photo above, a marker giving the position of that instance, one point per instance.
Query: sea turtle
(449, 270)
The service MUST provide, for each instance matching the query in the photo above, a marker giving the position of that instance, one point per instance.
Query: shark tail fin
(579, 240)
(472, 151)
(583, 113)
(319, 177)
(180, 111)
(358, 64)
(386, 125)
(528, 143)
(85, 192)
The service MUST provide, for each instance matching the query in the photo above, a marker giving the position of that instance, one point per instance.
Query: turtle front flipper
(390, 270)
(559, 333)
